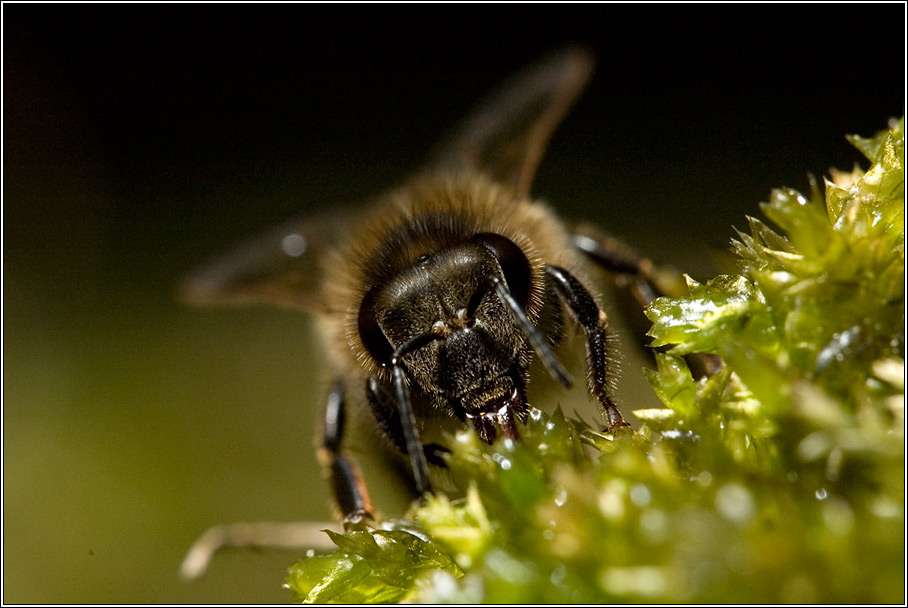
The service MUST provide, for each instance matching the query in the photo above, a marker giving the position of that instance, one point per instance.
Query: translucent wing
(281, 266)
(506, 134)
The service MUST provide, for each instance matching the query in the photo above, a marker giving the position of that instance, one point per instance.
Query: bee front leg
(388, 419)
(350, 490)
(592, 319)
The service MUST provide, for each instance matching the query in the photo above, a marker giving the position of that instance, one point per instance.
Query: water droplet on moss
(503, 461)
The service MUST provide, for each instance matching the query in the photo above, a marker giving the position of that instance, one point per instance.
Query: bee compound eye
(514, 264)
(370, 333)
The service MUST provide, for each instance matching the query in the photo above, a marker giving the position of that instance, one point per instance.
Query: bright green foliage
(371, 566)
(779, 478)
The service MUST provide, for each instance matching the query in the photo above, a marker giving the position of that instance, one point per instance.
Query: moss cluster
(778, 479)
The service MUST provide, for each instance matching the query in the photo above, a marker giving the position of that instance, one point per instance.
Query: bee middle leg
(645, 280)
(592, 319)
(649, 281)
(347, 483)
(349, 491)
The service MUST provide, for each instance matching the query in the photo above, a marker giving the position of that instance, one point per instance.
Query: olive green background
(140, 139)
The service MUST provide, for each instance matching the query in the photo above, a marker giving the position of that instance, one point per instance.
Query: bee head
(448, 293)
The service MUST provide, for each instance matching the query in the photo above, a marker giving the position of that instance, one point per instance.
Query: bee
(434, 300)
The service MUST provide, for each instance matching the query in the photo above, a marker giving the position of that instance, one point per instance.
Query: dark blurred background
(139, 139)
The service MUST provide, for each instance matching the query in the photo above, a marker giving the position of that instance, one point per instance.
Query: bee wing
(281, 266)
(506, 134)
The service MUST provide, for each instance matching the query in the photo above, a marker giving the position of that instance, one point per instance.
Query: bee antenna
(405, 409)
(537, 340)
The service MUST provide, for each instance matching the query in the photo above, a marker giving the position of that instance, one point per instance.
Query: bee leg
(297, 536)
(588, 315)
(648, 282)
(388, 419)
(350, 490)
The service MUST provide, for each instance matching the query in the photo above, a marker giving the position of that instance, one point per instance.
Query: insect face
(473, 365)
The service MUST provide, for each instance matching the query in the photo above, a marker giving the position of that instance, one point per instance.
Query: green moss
(779, 478)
